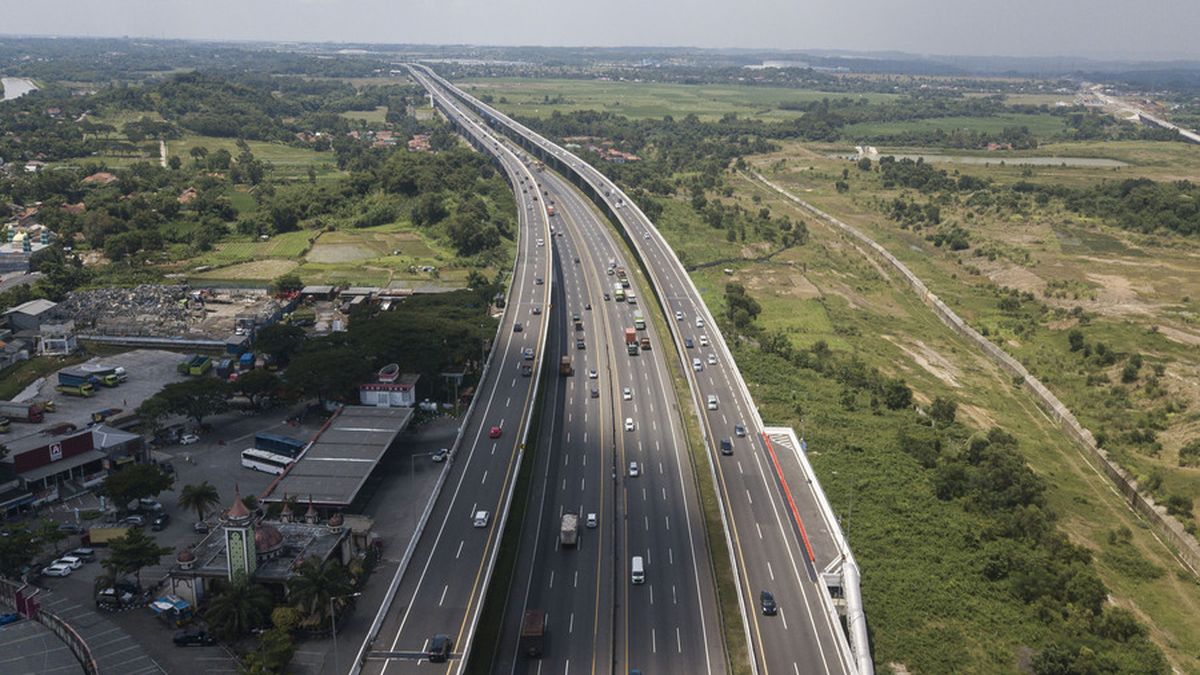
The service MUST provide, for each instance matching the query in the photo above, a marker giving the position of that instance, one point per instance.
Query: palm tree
(315, 583)
(243, 605)
(200, 498)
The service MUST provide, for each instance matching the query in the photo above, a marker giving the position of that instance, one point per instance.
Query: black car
(688, 342)
(769, 607)
(160, 521)
(439, 648)
(526, 370)
(517, 327)
(579, 344)
(193, 637)
(726, 446)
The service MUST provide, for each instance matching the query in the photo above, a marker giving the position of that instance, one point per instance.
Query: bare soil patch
(930, 360)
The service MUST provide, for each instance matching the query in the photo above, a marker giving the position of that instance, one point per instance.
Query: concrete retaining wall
(1185, 546)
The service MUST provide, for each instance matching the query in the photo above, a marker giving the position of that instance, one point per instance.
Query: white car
(592, 374)
(703, 340)
(57, 570)
(481, 518)
(541, 242)
(679, 316)
(188, 439)
(592, 520)
(70, 561)
(633, 469)
(441, 455)
(697, 366)
(712, 359)
(699, 322)
(629, 424)
(627, 394)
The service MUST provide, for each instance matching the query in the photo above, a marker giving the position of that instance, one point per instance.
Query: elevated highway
(780, 529)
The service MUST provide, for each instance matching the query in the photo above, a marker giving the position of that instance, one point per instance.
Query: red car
(494, 432)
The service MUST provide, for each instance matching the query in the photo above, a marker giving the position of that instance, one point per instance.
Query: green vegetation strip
(16, 377)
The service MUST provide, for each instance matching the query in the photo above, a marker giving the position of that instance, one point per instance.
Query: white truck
(569, 533)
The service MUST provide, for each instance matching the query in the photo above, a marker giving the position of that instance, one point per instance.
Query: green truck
(195, 365)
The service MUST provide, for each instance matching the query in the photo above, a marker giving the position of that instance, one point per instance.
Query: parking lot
(397, 492)
(149, 370)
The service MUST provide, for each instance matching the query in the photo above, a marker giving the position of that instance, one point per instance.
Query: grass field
(372, 256)
(880, 322)
(642, 99)
(376, 116)
(289, 162)
(1039, 125)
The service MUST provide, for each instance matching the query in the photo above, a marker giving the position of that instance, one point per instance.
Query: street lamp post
(333, 628)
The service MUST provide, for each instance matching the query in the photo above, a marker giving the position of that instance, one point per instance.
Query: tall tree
(315, 583)
(197, 398)
(328, 374)
(243, 605)
(199, 498)
(48, 533)
(280, 341)
(136, 481)
(135, 551)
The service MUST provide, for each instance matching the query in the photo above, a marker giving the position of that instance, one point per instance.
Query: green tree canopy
(136, 481)
(199, 498)
(134, 551)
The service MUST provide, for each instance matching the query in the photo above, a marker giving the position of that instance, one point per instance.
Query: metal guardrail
(57, 625)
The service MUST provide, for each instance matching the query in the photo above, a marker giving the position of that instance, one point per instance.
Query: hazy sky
(1097, 28)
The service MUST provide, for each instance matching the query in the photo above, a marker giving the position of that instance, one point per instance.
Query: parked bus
(267, 462)
(279, 445)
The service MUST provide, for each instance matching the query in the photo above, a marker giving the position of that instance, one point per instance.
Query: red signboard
(54, 450)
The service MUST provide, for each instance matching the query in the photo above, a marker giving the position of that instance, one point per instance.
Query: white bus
(267, 462)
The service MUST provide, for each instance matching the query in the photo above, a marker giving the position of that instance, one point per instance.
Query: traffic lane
(561, 571)
(669, 545)
(509, 354)
(751, 493)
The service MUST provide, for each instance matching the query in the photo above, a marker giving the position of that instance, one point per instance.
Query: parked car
(193, 637)
(147, 504)
(160, 521)
(188, 439)
(69, 528)
(200, 527)
(441, 455)
(134, 520)
(10, 617)
(69, 560)
(56, 570)
(84, 553)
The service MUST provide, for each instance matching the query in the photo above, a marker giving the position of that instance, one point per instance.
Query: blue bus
(279, 445)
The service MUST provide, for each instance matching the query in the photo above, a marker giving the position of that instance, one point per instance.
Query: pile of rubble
(149, 309)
